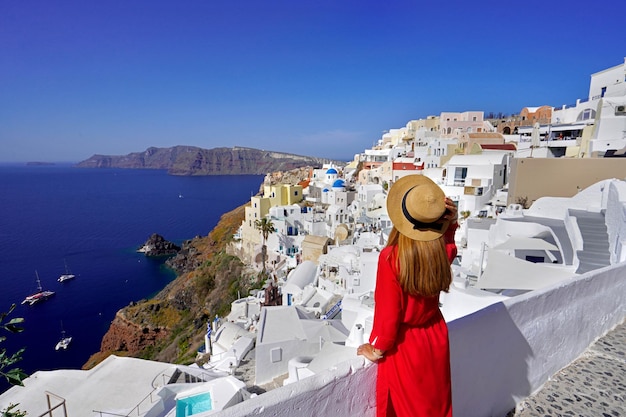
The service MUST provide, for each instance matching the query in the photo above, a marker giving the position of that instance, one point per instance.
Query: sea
(92, 221)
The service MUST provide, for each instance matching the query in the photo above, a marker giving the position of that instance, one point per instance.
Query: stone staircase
(595, 253)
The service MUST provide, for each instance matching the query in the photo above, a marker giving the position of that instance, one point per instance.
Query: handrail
(50, 408)
(106, 413)
(196, 378)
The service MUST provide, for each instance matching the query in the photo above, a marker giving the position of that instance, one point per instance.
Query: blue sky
(321, 78)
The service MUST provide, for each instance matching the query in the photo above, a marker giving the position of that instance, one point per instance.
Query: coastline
(169, 326)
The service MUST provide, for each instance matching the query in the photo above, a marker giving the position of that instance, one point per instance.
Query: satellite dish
(341, 233)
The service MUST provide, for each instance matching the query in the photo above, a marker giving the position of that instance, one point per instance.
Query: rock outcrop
(191, 160)
(156, 245)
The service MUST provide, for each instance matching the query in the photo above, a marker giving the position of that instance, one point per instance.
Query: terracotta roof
(502, 147)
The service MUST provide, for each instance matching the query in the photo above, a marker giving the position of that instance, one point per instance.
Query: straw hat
(414, 204)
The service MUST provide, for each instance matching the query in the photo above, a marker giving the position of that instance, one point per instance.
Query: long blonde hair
(423, 266)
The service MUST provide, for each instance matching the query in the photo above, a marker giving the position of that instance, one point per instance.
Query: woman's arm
(388, 302)
(451, 214)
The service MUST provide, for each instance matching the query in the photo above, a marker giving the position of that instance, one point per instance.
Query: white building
(472, 180)
(289, 229)
(287, 332)
(123, 386)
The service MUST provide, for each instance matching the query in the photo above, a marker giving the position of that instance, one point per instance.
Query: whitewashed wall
(499, 355)
(615, 216)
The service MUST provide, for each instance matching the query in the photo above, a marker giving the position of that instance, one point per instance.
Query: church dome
(338, 183)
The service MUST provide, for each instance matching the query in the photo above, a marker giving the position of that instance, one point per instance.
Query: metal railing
(51, 408)
(167, 379)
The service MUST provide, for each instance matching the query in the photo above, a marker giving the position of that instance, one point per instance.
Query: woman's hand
(451, 212)
(370, 352)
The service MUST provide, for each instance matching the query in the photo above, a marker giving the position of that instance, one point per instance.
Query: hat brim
(394, 208)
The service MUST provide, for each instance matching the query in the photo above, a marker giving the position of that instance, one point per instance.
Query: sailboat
(40, 295)
(67, 275)
(65, 340)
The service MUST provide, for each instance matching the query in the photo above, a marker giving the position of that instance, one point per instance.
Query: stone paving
(593, 385)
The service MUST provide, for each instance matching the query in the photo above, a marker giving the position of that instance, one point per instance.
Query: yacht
(64, 342)
(40, 295)
(67, 276)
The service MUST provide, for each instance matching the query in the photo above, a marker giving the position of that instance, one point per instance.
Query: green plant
(265, 226)
(522, 201)
(14, 376)
(11, 412)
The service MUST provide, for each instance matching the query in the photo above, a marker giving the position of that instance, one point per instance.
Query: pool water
(194, 404)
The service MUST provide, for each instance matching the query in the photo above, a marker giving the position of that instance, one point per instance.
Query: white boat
(68, 275)
(40, 295)
(65, 340)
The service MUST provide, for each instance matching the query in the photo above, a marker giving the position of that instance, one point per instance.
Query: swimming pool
(193, 404)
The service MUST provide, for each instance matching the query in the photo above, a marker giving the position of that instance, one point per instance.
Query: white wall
(499, 355)
(612, 78)
(615, 216)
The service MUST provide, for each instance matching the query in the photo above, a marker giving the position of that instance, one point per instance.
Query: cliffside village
(541, 198)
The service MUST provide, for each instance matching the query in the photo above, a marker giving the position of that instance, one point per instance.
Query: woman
(409, 338)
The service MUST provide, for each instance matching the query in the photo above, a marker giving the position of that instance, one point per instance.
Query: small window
(535, 259)
(276, 355)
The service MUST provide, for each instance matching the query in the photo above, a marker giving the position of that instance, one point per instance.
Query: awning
(563, 128)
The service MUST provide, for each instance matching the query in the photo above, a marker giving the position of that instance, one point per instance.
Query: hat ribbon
(416, 223)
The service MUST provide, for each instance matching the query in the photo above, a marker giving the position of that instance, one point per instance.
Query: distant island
(194, 161)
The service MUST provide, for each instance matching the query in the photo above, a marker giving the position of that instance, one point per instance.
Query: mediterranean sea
(93, 220)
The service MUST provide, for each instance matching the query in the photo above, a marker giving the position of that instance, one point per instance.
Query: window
(586, 115)
(535, 259)
(603, 92)
(276, 355)
(459, 174)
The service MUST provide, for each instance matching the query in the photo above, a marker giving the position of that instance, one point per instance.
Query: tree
(266, 227)
(15, 376)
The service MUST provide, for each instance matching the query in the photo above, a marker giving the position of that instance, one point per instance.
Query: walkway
(593, 385)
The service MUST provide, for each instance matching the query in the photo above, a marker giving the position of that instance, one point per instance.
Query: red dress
(415, 370)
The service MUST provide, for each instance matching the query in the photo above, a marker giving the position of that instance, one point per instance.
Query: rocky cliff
(190, 160)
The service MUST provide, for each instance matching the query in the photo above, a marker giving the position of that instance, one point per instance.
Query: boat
(68, 275)
(40, 295)
(65, 340)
